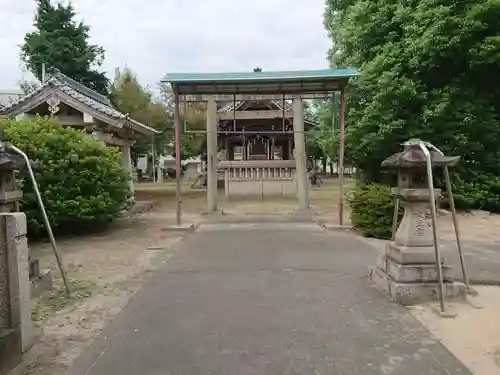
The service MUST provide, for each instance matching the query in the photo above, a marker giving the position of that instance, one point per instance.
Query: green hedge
(372, 208)
(83, 184)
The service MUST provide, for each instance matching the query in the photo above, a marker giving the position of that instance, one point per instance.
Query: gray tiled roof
(80, 93)
(7, 98)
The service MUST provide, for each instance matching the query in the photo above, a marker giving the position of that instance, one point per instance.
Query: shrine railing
(258, 169)
(258, 177)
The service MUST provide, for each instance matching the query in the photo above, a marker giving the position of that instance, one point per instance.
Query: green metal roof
(324, 74)
(271, 82)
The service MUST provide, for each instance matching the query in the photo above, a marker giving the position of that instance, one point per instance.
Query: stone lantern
(407, 269)
(9, 194)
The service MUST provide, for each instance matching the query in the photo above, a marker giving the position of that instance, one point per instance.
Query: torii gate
(258, 85)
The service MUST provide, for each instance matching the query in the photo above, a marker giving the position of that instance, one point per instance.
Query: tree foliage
(327, 132)
(60, 42)
(83, 182)
(192, 116)
(129, 96)
(427, 71)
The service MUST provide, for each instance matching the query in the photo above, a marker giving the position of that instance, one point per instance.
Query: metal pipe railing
(44, 216)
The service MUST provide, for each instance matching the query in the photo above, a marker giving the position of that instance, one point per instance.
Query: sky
(155, 37)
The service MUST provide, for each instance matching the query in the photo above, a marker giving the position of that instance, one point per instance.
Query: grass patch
(57, 299)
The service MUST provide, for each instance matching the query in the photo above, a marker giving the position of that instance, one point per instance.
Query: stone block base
(412, 293)
(41, 283)
(11, 353)
(410, 255)
(419, 273)
(186, 227)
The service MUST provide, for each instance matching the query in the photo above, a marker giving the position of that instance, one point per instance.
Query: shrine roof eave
(254, 83)
(78, 96)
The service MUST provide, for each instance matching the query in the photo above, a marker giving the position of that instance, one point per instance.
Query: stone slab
(213, 213)
(408, 294)
(410, 255)
(187, 227)
(10, 196)
(336, 227)
(41, 283)
(414, 194)
(406, 273)
(448, 312)
(10, 349)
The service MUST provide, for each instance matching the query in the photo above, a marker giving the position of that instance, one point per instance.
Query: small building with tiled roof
(8, 97)
(75, 105)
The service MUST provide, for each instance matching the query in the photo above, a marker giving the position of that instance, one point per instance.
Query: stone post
(300, 153)
(16, 328)
(13, 233)
(212, 155)
(159, 174)
(127, 164)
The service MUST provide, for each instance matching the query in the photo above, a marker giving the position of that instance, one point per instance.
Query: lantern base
(411, 254)
(410, 284)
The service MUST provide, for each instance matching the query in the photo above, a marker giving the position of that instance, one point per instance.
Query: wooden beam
(88, 119)
(70, 120)
(238, 97)
(111, 139)
(253, 115)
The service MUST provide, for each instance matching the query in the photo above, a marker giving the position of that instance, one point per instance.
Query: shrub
(483, 193)
(83, 183)
(372, 208)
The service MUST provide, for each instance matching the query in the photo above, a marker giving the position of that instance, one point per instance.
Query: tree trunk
(323, 163)
(331, 169)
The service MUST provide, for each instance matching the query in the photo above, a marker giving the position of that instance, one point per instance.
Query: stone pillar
(212, 155)
(127, 164)
(159, 173)
(13, 238)
(300, 153)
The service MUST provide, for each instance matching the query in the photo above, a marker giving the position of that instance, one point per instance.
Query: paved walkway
(268, 299)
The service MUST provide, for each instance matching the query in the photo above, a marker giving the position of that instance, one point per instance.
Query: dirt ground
(473, 335)
(106, 269)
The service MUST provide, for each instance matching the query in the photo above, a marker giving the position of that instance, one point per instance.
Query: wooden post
(177, 161)
(341, 157)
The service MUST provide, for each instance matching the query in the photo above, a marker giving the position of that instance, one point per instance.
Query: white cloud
(184, 35)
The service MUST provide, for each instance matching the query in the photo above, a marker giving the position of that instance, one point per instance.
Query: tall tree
(129, 96)
(426, 71)
(60, 42)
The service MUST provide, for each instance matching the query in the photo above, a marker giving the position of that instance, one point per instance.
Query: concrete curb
(179, 228)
